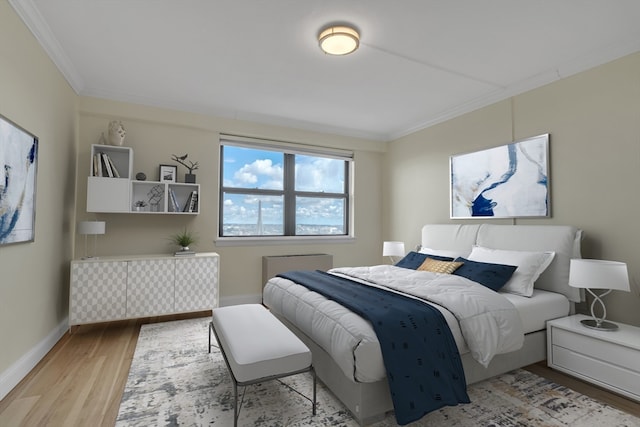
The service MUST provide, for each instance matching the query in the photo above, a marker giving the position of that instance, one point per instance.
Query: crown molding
(31, 17)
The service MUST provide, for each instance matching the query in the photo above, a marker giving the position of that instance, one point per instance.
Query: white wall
(34, 276)
(594, 122)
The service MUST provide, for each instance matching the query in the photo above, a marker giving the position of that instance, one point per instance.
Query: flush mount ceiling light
(339, 40)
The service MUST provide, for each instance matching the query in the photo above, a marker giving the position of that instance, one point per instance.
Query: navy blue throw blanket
(423, 364)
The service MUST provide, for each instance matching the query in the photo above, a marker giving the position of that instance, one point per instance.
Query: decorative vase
(184, 248)
(190, 178)
(116, 133)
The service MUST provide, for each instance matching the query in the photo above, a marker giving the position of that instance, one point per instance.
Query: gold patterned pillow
(435, 266)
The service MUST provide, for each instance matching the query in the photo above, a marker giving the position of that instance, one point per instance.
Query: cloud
(262, 173)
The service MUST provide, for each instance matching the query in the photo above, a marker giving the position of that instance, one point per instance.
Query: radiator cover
(274, 265)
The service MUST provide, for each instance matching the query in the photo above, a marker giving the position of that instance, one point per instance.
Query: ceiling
(420, 62)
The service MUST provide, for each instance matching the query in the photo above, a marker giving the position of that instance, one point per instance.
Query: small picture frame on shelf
(168, 173)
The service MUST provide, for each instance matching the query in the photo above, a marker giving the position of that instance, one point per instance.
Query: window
(279, 189)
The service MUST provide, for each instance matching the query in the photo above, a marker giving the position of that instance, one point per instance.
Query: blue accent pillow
(413, 260)
(493, 276)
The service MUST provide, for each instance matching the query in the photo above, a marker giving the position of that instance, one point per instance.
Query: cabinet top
(626, 335)
(143, 257)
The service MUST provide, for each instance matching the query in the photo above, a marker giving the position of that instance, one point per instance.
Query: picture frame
(168, 173)
(19, 166)
(508, 181)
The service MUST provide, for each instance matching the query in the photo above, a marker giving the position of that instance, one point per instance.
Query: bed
(346, 353)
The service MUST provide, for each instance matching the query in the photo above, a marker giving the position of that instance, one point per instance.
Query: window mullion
(289, 195)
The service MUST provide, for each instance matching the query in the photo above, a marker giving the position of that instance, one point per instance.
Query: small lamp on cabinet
(392, 250)
(91, 228)
(599, 274)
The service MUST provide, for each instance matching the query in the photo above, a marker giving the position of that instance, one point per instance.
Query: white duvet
(487, 320)
(490, 323)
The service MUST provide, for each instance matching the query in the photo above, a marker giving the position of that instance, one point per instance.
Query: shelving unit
(112, 194)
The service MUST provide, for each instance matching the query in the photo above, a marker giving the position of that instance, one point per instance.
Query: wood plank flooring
(80, 382)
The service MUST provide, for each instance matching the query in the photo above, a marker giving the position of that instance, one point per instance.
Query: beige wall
(594, 122)
(34, 276)
(155, 134)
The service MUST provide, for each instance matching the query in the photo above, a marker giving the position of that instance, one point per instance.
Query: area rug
(174, 381)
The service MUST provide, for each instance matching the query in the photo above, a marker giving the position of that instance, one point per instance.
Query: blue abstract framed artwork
(18, 166)
(503, 182)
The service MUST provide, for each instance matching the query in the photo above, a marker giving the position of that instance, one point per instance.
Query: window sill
(281, 240)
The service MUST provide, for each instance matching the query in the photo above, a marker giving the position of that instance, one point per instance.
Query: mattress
(536, 310)
(350, 339)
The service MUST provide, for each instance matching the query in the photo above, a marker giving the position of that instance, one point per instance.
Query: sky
(263, 169)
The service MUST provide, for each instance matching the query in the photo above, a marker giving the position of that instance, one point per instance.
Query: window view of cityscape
(255, 193)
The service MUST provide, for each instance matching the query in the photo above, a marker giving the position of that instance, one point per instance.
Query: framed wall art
(168, 173)
(509, 181)
(18, 167)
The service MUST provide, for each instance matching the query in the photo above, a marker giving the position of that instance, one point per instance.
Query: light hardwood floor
(80, 381)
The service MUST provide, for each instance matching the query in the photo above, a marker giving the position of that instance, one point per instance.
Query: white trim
(281, 240)
(16, 372)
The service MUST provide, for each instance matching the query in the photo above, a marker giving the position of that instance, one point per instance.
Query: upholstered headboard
(563, 240)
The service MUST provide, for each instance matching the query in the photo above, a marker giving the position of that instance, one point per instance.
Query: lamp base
(602, 326)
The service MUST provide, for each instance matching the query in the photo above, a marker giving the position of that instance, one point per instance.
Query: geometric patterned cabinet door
(115, 288)
(151, 287)
(196, 284)
(98, 291)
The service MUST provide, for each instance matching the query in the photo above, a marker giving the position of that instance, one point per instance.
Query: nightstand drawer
(613, 377)
(596, 348)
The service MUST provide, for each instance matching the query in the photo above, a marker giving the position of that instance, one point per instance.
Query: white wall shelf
(116, 192)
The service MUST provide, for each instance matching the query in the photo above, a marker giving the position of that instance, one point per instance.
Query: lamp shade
(393, 249)
(91, 227)
(598, 274)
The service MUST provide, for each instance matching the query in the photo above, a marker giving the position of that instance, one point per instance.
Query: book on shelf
(174, 201)
(116, 174)
(97, 165)
(103, 166)
(107, 165)
(192, 203)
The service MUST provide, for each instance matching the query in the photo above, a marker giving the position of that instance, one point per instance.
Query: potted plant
(184, 239)
(140, 205)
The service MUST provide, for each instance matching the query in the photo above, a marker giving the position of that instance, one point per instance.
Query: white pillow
(530, 266)
(442, 252)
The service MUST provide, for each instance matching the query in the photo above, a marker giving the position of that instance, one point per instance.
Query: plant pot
(190, 178)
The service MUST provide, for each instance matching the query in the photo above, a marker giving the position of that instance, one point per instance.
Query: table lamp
(393, 249)
(599, 274)
(91, 228)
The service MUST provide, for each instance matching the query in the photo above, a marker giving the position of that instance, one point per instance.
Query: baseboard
(16, 372)
(241, 299)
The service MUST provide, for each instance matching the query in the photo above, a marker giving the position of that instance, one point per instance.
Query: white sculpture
(116, 132)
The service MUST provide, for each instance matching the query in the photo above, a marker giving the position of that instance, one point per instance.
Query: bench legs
(236, 407)
(211, 331)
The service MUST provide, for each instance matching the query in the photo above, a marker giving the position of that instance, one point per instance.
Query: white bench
(257, 347)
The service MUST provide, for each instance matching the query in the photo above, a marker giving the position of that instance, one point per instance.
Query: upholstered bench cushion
(256, 344)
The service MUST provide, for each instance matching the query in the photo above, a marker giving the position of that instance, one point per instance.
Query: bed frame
(369, 402)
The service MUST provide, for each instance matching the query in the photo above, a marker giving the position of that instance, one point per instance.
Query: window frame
(288, 193)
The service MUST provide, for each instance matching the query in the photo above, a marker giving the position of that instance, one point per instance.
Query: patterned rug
(174, 381)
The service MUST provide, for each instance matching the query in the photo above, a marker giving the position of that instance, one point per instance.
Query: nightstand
(608, 359)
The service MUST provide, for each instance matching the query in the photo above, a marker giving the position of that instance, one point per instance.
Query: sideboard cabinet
(116, 288)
